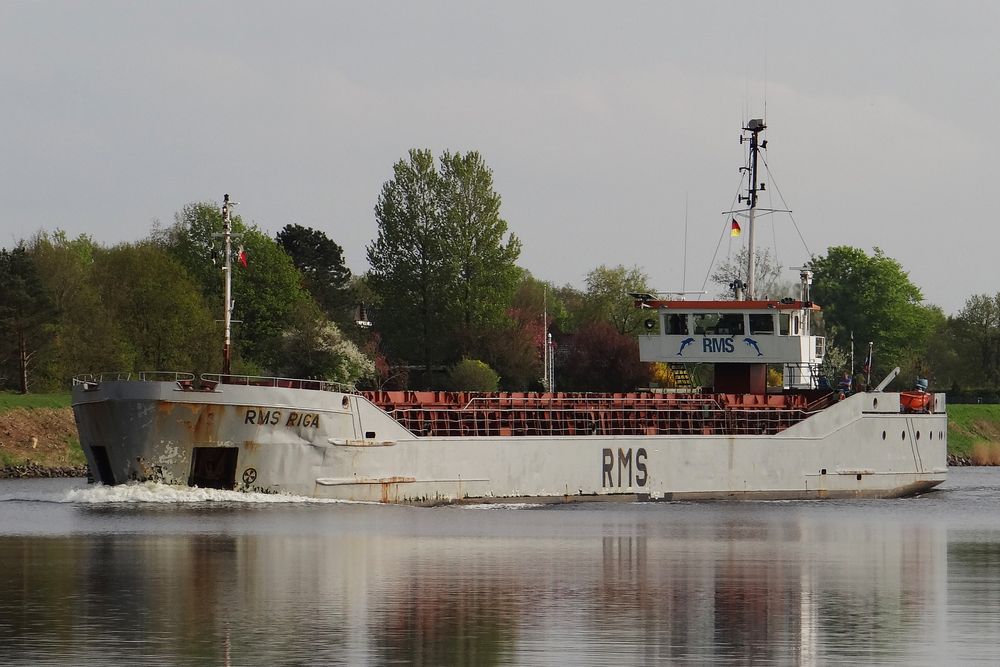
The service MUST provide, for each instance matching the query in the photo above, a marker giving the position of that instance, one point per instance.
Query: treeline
(443, 305)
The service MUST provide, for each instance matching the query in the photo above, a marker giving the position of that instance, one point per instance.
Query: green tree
(25, 310)
(472, 375)
(86, 338)
(266, 293)
(978, 327)
(873, 297)
(574, 307)
(320, 260)
(411, 269)
(441, 268)
(486, 274)
(158, 307)
(318, 349)
(607, 297)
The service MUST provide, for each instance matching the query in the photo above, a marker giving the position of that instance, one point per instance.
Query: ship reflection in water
(235, 583)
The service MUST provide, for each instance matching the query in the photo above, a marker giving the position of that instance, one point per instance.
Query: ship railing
(804, 371)
(604, 421)
(602, 402)
(282, 382)
(138, 376)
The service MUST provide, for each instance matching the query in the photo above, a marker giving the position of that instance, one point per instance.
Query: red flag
(735, 231)
(243, 257)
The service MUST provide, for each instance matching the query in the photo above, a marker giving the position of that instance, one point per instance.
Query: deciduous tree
(411, 269)
(978, 326)
(607, 297)
(266, 292)
(486, 275)
(768, 278)
(160, 309)
(86, 338)
(873, 297)
(318, 349)
(472, 375)
(443, 263)
(603, 359)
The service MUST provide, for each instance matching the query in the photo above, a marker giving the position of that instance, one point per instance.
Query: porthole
(902, 435)
(918, 435)
(345, 402)
(883, 435)
(940, 435)
(930, 434)
(874, 403)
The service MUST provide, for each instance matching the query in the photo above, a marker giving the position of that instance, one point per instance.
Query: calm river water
(154, 575)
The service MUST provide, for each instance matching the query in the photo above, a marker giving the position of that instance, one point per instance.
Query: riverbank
(38, 436)
(974, 434)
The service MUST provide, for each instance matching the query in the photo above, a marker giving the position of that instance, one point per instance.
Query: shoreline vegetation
(38, 436)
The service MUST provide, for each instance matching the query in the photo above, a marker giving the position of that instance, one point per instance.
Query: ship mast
(227, 273)
(754, 126)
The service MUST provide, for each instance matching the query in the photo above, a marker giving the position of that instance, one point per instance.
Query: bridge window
(784, 320)
(731, 323)
(761, 324)
(725, 324)
(676, 325)
(706, 323)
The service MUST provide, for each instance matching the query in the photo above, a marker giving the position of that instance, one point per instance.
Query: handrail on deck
(486, 402)
(210, 379)
(141, 376)
(267, 381)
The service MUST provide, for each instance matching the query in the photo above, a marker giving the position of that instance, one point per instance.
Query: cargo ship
(738, 439)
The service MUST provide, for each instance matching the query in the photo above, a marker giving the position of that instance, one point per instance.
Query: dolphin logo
(684, 343)
(752, 343)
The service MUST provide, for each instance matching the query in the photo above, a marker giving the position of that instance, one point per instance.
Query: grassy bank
(9, 401)
(38, 428)
(974, 432)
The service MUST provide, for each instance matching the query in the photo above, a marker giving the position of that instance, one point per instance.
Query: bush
(472, 375)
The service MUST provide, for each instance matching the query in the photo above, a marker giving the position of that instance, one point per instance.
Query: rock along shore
(32, 470)
(959, 460)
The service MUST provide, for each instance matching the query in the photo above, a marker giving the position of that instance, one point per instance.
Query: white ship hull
(339, 445)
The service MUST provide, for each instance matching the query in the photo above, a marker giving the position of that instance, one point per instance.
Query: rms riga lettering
(622, 464)
(261, 416)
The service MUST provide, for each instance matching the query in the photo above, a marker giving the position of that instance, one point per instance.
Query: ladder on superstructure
(682, 378)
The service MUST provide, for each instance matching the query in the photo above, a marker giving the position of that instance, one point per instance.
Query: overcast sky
(598, 120)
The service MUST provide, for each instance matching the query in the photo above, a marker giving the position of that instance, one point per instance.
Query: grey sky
(597, 119)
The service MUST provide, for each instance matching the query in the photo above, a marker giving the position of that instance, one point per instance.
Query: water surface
(169, 576)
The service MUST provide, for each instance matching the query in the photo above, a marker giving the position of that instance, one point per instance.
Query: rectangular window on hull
(214, 468)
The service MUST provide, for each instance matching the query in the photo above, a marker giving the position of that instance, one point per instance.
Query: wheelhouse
(746, 333)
